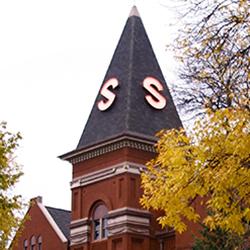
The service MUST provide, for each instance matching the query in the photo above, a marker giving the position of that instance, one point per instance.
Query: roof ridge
(62, 209)
(52, 222)
(130, 74)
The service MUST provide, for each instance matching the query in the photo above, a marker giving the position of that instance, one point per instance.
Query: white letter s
(110, 96)
(160, 103)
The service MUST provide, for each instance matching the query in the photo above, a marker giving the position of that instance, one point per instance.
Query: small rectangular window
(39, 246)
(104, 228)
(97, 226)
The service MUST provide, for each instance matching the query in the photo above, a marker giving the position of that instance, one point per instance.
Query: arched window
(39, 240)
(100, 222)
(25, 245)
(32, 243)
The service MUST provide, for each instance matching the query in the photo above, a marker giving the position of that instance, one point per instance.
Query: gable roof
(59, 219)
(130, 114)
(62, 219)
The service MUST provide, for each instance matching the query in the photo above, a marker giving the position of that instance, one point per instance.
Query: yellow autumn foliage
(212, 162)
(212, 46)
(11, 205)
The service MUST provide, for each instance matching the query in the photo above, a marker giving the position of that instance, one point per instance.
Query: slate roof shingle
(62, 219)
(130, 114)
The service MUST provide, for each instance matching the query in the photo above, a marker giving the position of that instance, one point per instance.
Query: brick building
(44, 228)
(133, 103)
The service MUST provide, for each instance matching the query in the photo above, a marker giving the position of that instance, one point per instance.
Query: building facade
(133, 104)
(45, 228)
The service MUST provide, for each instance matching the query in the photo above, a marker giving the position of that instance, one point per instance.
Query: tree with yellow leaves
(213, 162)
(213, 49)
(10, 205)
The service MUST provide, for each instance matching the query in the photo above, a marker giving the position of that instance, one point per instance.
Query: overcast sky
(53, 58)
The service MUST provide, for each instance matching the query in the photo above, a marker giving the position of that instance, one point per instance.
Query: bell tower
(133, 103)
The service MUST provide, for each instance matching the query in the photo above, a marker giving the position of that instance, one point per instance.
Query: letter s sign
(151, 84)
(110, 96)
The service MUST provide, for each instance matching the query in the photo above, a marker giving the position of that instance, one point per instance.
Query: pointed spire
(125, 109)
(134, 12)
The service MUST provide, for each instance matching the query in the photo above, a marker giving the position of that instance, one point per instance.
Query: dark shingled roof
(62, 219)
(130, 114)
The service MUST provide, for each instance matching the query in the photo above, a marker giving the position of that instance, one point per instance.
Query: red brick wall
(117, 192)
(109, 159)
(120, 191)
(185, 240)
(123, 190)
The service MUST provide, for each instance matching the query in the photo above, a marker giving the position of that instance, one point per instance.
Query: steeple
(134, 12)
(133, 79)
(119, 137)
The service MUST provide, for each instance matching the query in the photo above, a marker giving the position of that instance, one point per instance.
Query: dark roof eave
(131, 136)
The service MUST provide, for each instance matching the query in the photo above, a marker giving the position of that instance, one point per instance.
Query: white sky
(53, 58)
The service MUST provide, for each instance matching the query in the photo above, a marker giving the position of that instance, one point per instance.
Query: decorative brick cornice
(79, 223)
(129, 211)
(79, 231)
(122, 220)
(129, 220)
(110, 146)
(103, 174)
